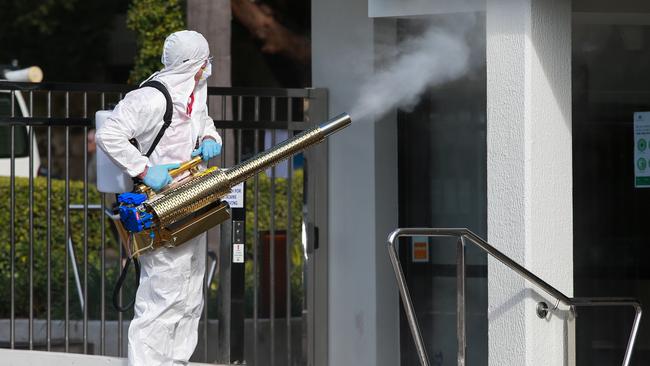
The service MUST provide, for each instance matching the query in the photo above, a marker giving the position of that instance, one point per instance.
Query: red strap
(190, 103)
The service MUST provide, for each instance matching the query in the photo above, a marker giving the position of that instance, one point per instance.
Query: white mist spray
(439, 55)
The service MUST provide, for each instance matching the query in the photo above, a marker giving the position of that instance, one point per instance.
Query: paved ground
(38, 358)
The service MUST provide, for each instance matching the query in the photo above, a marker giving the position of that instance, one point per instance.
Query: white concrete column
(529, 175)
(363, 300)
(212, 18)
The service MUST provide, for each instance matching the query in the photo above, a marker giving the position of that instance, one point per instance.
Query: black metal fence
(60, 255)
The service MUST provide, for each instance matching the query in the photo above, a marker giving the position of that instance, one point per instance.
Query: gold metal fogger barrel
(192, 196)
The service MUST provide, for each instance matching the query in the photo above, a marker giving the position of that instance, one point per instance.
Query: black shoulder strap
(167, 118)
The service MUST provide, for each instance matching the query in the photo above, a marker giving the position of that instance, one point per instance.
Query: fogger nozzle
(333, 125)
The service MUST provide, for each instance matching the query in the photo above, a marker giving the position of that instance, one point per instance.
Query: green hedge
(22, 238)
(58, 248)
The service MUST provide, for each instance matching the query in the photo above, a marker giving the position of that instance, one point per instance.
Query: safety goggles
(208, 61)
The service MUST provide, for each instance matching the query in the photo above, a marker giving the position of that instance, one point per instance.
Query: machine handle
(185, 166)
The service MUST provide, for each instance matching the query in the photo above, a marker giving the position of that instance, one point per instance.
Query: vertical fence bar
(48, 323)
(120, 317)
(85, 295)
(460, 300)
(256, 117)
(289, 241)
(272, 251)
(66, 274)
(235, 273)
(102, 285)
(12, 230)
(226, 239)
(289, 246)
(255, 237)
(31, 225)
(222, 133)
(224, 105)
(238, 290)
(256, 188)
(289, 109)
(240, 107)
(206, 288)
(223, 130)
(85, 227)
(221, 236)
(206, 297)
(256, 229)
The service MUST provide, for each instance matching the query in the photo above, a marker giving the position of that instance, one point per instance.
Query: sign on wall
(420, 249)
(641, 150)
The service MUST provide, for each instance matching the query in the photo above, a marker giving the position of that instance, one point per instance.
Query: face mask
(207, 71)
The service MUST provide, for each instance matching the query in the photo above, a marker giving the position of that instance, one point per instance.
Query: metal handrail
(464, 234)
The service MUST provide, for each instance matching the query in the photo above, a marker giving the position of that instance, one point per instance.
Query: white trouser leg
(168, 305)
(186, 335)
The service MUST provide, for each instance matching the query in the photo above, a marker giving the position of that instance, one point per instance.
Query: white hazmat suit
(170, 297)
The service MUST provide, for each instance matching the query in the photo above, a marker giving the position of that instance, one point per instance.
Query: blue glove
(208, 149)
(158, 176)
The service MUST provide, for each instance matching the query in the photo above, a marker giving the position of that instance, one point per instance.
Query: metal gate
(60, 255)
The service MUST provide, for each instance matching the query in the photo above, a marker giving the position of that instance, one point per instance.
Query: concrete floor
(39, 358)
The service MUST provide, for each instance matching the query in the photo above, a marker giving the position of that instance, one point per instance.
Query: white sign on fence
(236, 196)
(238, 253)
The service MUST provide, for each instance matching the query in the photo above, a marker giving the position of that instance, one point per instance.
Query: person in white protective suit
(169, 300)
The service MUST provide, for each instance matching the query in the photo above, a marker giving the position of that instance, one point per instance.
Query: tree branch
(275, 38)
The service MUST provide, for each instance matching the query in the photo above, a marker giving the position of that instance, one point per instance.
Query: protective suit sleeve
(136, 115)
(208, 127)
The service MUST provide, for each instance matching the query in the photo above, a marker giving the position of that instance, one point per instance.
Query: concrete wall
(363, 310)
(529, 175)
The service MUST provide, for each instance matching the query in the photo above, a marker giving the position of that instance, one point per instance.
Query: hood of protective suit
(184, 53)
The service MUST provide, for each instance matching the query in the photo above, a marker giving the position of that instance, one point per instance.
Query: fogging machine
(149, 220)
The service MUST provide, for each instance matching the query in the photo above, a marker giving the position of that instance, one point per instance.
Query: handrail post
(408, 304)
(635, 328)
(460, 301)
